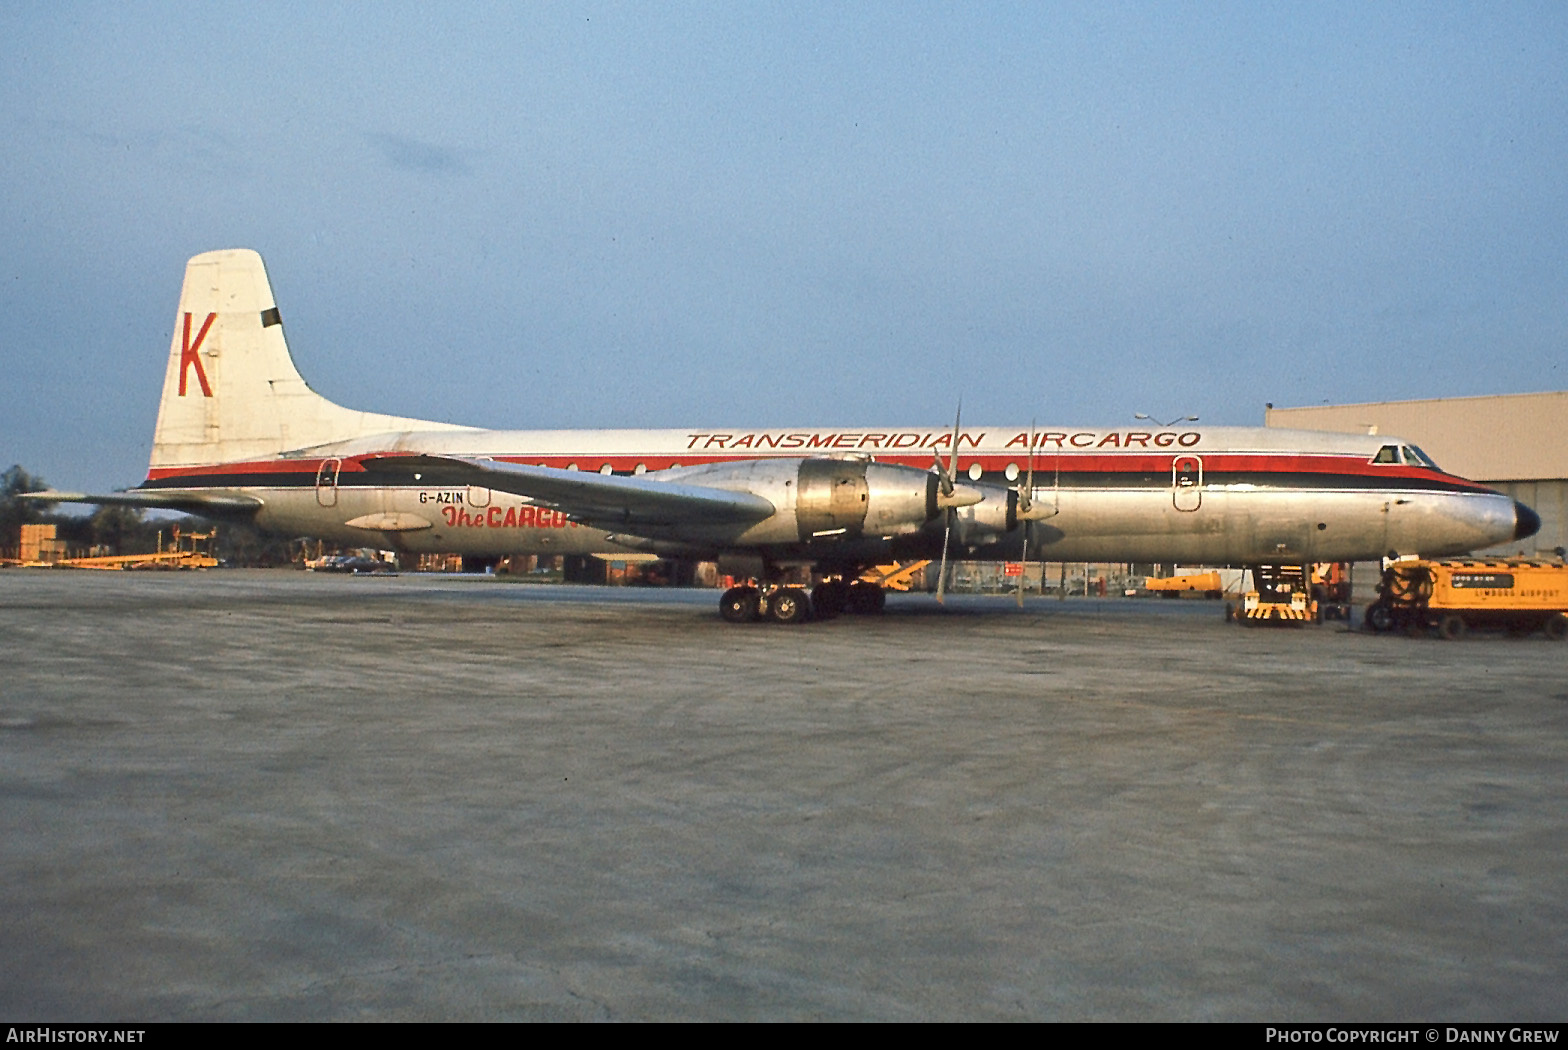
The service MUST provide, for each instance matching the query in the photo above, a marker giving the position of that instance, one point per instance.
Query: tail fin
(231, 391)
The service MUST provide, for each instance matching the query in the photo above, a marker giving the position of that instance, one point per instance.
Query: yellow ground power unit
(1516, 595)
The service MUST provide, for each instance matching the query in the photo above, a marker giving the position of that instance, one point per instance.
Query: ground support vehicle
(1455, 597)
(1331, 589)
(1207, 584)
(1281, 594)
(896, 576)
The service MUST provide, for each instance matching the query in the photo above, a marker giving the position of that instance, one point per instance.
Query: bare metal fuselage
(1231, 528)
(1223, 496)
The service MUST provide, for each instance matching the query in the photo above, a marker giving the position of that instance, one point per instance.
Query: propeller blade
(1026, 497)
(947, 473)
(941, 577)
(1023, 564)
(944, 480)
(1025, 501)
(952, 463)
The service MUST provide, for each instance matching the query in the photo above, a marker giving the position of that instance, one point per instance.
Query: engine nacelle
(821, 501)
(847, 499)
(986, 521)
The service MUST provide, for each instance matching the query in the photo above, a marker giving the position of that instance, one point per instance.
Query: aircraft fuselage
(1199, 495)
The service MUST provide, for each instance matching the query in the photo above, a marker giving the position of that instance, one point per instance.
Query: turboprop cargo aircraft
(239, 433)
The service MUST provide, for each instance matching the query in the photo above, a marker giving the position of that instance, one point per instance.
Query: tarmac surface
(280, 796)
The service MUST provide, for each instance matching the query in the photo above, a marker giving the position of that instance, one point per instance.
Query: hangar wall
(1517, 443)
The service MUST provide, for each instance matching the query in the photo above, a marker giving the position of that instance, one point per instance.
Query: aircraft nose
(1526, 521)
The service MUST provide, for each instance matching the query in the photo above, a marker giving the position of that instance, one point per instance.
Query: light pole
(1156, 422)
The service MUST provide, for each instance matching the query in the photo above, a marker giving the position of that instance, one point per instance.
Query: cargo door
(1187, 482)
(327, 482)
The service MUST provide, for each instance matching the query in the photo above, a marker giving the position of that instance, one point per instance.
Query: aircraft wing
(210, 504)
(602, 500)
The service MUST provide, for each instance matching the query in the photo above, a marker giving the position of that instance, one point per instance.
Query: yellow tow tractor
(1519, 595)
(1295, 594)
(1280, 594)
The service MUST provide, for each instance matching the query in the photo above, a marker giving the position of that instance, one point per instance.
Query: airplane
(240, 434)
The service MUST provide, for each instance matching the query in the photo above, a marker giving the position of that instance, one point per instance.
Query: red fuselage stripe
(1045, 465)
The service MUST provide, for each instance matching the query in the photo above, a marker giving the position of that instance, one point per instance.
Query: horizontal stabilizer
(594, 499)
(209, 504)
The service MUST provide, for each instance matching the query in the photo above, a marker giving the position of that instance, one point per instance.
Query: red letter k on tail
(188, 356)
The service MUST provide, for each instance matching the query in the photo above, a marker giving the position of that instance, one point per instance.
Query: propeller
(1025, 509)
(1028, 509)
(947, 492)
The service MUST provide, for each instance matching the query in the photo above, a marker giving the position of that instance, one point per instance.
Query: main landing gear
(790, 604)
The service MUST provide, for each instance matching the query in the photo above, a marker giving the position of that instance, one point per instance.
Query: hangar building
(1516, 443)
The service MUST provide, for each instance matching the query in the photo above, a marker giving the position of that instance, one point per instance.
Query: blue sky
(700, 215)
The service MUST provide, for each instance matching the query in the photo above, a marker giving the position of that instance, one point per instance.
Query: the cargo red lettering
(188, 357)
(510, 518)
(457, 517)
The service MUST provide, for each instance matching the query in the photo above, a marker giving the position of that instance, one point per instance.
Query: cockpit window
(1407, 454)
